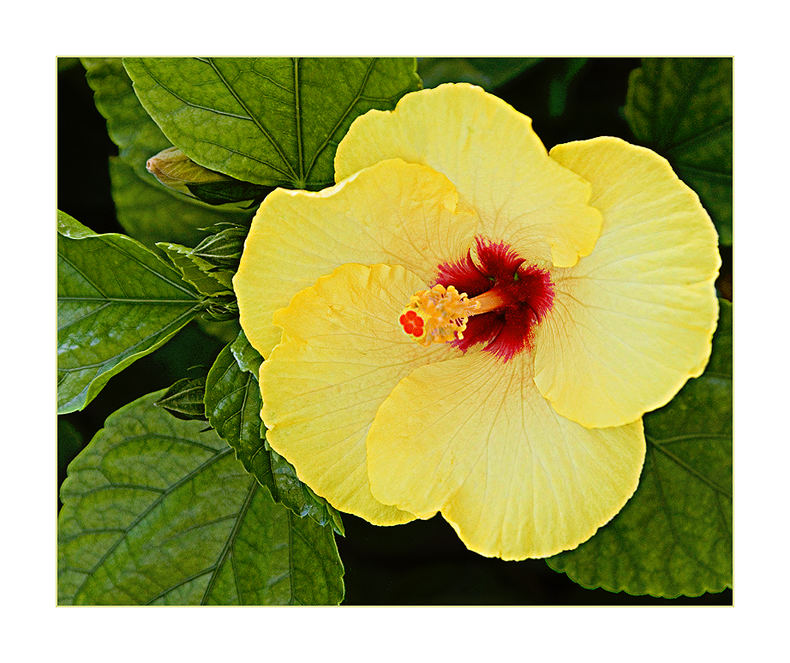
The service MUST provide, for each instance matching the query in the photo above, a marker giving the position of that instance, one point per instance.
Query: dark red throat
(526, 289)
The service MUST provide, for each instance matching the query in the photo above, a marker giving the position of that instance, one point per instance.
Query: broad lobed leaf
(117, 302)
(146, 210)
(674, 537)
(157, 511)
(682, 108)
(269, 121)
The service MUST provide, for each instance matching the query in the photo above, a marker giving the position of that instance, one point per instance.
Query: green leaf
(157, 511)
(194, 269)
(128, 125)
(146, 210)
(559, 86)
(150, 213)
(682, 108)
(117, 302)
(184, 399)
(269, 121)
(246, 356)
(70, 442)
(674, 537)
(489, 73)
(231, 191)
(233, 406)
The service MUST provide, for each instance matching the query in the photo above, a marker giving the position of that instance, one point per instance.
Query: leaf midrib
(129, 351)
(350, 107)
(250, 116)
(302, 178)
(681, 463)
(229, 542)
(125, 300)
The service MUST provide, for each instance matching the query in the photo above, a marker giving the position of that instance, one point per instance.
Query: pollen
(437, 315)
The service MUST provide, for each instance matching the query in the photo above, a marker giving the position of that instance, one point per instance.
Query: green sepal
(184, 399)
(193, 269)
(223, 248)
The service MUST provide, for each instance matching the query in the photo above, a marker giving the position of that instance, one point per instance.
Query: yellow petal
(342, 353)
(393, 213)
(634, 320)
(473, 438)
(495, 160)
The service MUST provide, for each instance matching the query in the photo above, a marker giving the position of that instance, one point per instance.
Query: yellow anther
(437, 315)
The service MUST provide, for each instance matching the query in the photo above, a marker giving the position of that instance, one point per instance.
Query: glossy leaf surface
(147, 210)
(682, 108)
(233, 406)
(674, 537)
(158, 511)
(269, 121)
(117, 302)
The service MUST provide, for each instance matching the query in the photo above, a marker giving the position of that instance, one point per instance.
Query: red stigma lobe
(526, 290)
(412, 323)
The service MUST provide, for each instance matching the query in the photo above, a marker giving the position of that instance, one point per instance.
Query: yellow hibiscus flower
(470, 325)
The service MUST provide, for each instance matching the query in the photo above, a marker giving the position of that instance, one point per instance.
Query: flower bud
(223, 248)
(184, 399)
(178, 172)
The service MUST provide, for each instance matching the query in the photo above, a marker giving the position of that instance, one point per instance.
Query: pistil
(495, 299)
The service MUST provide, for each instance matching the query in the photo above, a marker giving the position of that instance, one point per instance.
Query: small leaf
(117, 302)
(674, 537)
(682, 108)
(269, 121)
(184, 399)
(246, 356)
(157, 511)
(233, 406)
(489, 73)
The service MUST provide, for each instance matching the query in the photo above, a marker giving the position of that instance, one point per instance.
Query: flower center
(490, 296)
